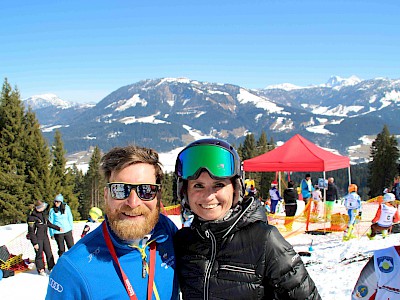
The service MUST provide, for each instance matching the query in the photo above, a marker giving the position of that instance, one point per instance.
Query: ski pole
(364, 233)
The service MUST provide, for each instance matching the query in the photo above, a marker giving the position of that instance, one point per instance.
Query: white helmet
(389, 197)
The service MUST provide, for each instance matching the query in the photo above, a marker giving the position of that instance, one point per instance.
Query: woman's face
(209, 198)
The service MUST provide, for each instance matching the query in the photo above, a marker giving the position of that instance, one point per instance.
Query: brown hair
(119, 158)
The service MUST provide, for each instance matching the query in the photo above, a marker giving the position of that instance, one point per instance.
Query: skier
(352, 201)
(386, 215)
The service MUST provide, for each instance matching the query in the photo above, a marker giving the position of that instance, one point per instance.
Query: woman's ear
(238, 192)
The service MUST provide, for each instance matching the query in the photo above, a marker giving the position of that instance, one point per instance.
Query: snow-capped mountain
(168, 113)
(45, 100)
(338, 82)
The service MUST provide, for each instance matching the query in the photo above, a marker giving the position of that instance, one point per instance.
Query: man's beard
(132, 229)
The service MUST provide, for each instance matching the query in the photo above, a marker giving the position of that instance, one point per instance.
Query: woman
(290, 198)
(37, 230)
(229, 251)
(61, 215)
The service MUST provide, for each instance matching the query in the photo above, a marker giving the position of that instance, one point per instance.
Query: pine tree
(383, 164)
(79, 187)
(249, 149)
(67, 189)
(167, 189)
(14, 197)
(265, 178)
(94, 184)
(62, 178)
(262, 143)
(58, 163)
(37, 159)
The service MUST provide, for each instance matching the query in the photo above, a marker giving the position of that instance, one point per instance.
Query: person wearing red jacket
(386, 215)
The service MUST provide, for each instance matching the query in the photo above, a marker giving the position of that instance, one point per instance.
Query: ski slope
(334, 265)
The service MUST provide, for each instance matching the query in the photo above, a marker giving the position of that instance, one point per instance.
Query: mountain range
(343, 115)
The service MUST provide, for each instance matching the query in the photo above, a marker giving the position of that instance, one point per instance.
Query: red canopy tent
(297, 154)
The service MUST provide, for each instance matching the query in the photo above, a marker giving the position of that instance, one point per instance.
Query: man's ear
(106, 191)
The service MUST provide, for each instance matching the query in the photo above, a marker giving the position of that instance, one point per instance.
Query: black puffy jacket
(38, 225)
(240, 258)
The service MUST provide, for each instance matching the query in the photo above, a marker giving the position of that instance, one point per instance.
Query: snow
(334, 279)
(284, 86)
(246, 97)
(319, 129)
(46, 100)
(149, 119)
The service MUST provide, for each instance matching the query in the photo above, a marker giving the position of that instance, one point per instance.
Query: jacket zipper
(210, 264)
(237, 269)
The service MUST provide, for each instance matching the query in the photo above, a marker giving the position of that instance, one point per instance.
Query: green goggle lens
(217, 160)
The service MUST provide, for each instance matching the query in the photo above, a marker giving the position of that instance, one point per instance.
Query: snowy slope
(334, 279)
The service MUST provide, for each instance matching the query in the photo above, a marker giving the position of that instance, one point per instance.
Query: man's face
(132, 218)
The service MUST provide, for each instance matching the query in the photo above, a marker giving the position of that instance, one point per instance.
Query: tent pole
(279, 183)
(323, 204)
(348, 169)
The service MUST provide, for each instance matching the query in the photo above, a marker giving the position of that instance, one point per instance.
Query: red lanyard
(128, 286)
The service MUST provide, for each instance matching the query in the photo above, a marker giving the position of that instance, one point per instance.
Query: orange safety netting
(314, 218)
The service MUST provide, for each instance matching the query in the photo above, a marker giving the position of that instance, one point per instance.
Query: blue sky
(84, 50)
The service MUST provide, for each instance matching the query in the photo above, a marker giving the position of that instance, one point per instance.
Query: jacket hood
(247, 212)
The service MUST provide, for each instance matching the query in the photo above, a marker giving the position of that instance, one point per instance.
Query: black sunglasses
(122, 190)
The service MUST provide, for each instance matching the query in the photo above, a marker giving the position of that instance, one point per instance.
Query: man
(130, 255)
(306, 188)
(331, 197)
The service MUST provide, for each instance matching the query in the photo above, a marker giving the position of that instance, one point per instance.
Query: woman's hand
(36, 246)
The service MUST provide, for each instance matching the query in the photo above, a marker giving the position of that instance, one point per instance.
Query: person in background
(229, 251)
(252, 191)
(352, 202)
(306, 188)
(396, 187)
(331, 197)
(130, 255)
(274, 196)
(267, 206)
(379, 279)
(38, 224)
(95, 214)
(316, 199)
(61, 216)
(290, 198)
(385, 216)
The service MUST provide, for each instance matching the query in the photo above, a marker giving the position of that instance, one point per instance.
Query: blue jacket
(306, 189)
(65, 220)
(87, 270)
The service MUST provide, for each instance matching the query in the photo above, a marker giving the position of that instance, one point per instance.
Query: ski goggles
(218, 161)
(122, 190)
